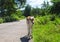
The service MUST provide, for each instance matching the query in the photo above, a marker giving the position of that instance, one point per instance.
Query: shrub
(50, 32)
(57, 21)
(1, 20)
(7, 19)
(19, 13)
(11, 18)
(43, 19)
(52, 18)
(14, 17)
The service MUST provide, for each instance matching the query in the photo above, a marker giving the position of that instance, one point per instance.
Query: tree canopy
(27, 10)
(8, 7)
(56, 6)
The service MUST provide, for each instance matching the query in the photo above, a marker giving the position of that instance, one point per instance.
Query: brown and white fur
(30, 22)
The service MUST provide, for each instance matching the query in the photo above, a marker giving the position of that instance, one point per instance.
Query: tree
(7, 7)
(45, 8)
(35, 11)
(27, 10)
(44, 5)
(21, 3)
(56, 7)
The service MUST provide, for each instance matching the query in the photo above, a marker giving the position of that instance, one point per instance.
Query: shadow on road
(24, 39)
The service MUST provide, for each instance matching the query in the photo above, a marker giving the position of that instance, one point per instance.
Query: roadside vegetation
(13, 17)
(46, 27)
(46, 30)
(9, 10)
(47, 24)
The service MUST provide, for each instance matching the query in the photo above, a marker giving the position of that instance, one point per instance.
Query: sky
(37, 3)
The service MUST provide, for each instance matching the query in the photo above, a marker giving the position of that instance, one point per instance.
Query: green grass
(45, 30)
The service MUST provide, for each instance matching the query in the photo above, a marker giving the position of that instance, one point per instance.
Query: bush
(7, 19)
(19, 13)
(57, 21)
(11, 18)
(52, 18)
(43, 19)
(46, 32)
(14, 17)
(1, 20)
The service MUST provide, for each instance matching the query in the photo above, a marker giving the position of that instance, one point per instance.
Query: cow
(30, 22)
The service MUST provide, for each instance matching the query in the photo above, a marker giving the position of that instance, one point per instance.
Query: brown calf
(30, 22)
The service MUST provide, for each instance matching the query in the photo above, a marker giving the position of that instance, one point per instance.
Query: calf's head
(31, 18)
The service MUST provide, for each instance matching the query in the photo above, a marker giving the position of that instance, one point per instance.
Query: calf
(30, 22)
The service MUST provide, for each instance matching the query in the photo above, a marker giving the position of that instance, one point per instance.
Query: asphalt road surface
(14, 32)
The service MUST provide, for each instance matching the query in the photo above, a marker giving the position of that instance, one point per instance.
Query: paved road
(14, 32)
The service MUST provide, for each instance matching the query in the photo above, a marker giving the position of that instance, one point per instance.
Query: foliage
(46, 32)
(45, 7)
(14, 17)
(27, 11)
(56, 7)
(7, 19)
(55, 0)
(44, 10)
(22, 2)
(19, 13)
(35, 11)
(1, 20)
(11, 18)
(47, 25)
(8, 7)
